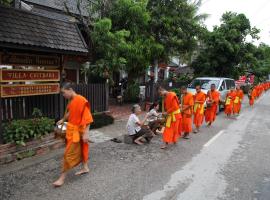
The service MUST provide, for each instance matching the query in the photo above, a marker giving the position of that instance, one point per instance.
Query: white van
(223, 85)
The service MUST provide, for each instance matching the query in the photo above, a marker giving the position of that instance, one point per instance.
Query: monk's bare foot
(59, 182)
(82, 171)
(186, 136)
(164, 147)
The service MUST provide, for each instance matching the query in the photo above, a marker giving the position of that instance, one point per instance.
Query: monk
(187, 103)
(199, 100)
(230, 97)
(172, 130)
(79, 118)
(212, 102)
(238, 100)
(252, 95)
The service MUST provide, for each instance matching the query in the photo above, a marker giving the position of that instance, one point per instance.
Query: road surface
(230, 161)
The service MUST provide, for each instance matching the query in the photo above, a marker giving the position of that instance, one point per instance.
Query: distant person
(238, 100)
(154, 118)
(229, 103)
(172, 130)
(252, 96)
(199, 101)
(187, 103)
(79, 118)
(212, 103)
(136, 128)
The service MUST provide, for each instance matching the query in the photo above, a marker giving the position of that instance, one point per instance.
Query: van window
(204, 83)
(223, 86)
(230, 84)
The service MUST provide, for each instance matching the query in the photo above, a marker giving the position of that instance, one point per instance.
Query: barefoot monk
(79, 118)
(172, 130)
(213, 98)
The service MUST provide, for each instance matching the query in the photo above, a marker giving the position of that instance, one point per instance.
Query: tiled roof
(27, 29)
(60, 5)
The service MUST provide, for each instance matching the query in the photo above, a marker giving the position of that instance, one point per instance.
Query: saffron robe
(172, 130)
(199, 100)
(229, 102)
(237, 103)
(79, 117)
(252, 97)
(187, 101)
(211, 111)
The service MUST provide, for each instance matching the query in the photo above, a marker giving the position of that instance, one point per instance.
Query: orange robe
(187, 100)
(211, 111)
(238, 101)
(172, 130)
(79, 117)
(229, 102)
(199, 108)
(252, 97)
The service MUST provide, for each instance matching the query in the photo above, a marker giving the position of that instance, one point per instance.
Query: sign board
(29, 60)
(22, 75)
(16, 90)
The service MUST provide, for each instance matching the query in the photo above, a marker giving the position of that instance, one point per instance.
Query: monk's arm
(85, 136)
(141, 123)
(64, 119)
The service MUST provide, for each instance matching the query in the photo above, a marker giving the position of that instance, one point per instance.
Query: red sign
(20, 75)
(29, 60)
(11, 90)
(252, 79)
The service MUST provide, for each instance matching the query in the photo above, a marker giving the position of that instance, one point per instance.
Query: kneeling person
(136, 128)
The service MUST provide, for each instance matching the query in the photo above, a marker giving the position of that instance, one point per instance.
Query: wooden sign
(29, 60)
(22, 75)
(11, 90)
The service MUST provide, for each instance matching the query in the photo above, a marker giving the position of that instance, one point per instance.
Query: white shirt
(152, 115)
(132, 126)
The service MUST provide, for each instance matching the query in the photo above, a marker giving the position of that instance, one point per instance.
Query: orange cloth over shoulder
(210, 113)
(171, 104)
(229, 103)
(238, 101)
(79, 117)
(199, 100)
(187, 101)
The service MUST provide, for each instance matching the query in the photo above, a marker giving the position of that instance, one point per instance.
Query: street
(229, 161)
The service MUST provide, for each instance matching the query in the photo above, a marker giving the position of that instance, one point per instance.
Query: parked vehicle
(223, 85)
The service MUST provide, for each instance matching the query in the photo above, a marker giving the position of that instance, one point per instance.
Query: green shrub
(21, 131)
(101, 119)
(132, 93)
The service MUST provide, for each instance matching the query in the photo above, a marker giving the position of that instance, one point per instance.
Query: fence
(151, 89)
(53, 105)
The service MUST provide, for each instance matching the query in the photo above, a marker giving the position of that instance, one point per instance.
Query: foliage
(132, 93)
(5, 2)
(110, 47)
(101, 120)
(134, 17)
(176, 25)
(225, 51)
(262, 69)
(21, 131)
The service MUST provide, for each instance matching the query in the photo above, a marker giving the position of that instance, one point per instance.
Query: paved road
(229, 161)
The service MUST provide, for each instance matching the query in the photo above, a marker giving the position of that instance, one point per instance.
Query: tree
(225, 51)
(133, 16)
(175, 25)
(5, 2)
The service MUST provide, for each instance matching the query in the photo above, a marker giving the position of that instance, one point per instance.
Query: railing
(53, 105)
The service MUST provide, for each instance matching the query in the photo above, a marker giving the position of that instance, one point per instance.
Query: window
(223, 86)
(204, 83)
(230, 84)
